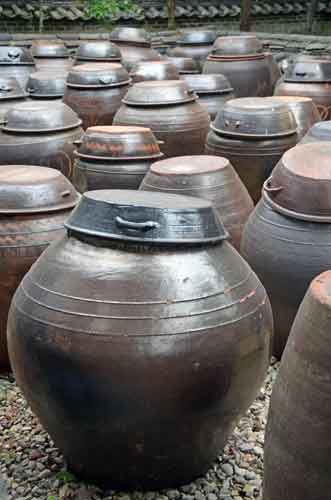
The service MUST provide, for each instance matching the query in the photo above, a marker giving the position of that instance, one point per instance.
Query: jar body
(95, 106)
(286, 254)
(320, 93)
(133, 53)
(119, 174)
(22, 240)
(194, 51)
(153, 325)
(53, 149)
(253, 160)
(214, 102)
(182, 127)
(61, 64)
(248, 77)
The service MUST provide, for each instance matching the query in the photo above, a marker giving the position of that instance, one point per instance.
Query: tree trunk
(245, 15)
(41, 16)
(171, 5)
(311, 11)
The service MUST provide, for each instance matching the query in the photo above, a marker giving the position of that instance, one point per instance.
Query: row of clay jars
(287, 238)
(297, 443)
(177, 313)
(34, 203)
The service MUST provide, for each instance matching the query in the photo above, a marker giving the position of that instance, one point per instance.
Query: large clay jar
(171, 110)
(319, 132)
(114, 158)
(46, 87)
(275, 72)
(95, 91)
(213, 91)
(194, 44)
(252, 133)
(241, 60)
(134, 45)
(205, 177)
(154, 70)
(185, 65)
(39, 134)
(51, 56)
(146, 335)
(11, 94)
(97, 52)
(297, 462)
(309, 77)
(288, 236)
(34, 203)
(16, 62)
(305, 112)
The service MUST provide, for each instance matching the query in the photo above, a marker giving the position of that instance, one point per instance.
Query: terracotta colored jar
(154, 70)
(134, 45)
(50, 56)
(241, 60)
(34, 203)
(194, 44)
(309, 77)
(114, 158)
(252, 133)
(171, 110)
(11, 94)
(213, 91)
(205, 177)
(288, 236)
(98, 52)
(305, 112)
(137, 290)
(319, 132)
(297, 442)
(39, 134)
(95, 92)
(16, 62)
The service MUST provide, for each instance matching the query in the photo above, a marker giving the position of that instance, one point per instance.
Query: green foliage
(65, 476)
(51, 497)
(105, 9)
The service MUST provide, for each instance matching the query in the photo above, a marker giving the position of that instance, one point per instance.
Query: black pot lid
(197, 38)
(320, 131)
(208, 84)
(16, 56)
(158, 93)
(46, 84)
(98, 75)
(10, 89)
(32, 117)
(30, 189)
(146, 217)
(309, 70)
(50, 50)
(130, 35)
(239, 45)
(101, 51)
(255, 117)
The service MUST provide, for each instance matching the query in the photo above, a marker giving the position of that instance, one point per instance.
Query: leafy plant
(65, 476)
(105, 9)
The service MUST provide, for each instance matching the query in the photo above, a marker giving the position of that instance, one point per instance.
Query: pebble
(30, 463)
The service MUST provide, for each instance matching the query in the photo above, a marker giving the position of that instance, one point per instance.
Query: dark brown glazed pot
(95, 91)
(297, 443)
(288, 236)
(154, 70)
(98, 52)
(238, 45)
(16, 62)
(194, 44)
(152, 301)
(46, 87)
(305, 112)
(39, 134)
(34, 203)
(252, 133)
(11, 94)
(319, 132)
(275, 72)
(205, 177)
(170, 109)
(213, 91)
(114, 158)
(185, 65)
(134, 46)
(51, 56)
(309, 77)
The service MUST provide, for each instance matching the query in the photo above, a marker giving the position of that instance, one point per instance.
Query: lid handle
(13, 54)
(5, 88)
(31, 90)
(105, 79)
(272, 189)
(138, 226)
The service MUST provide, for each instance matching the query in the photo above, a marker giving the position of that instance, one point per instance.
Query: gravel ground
(31, 467)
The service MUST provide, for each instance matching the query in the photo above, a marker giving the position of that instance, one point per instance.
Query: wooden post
(41, 16)
(311, 11)
(245, 15)
(171, 5)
